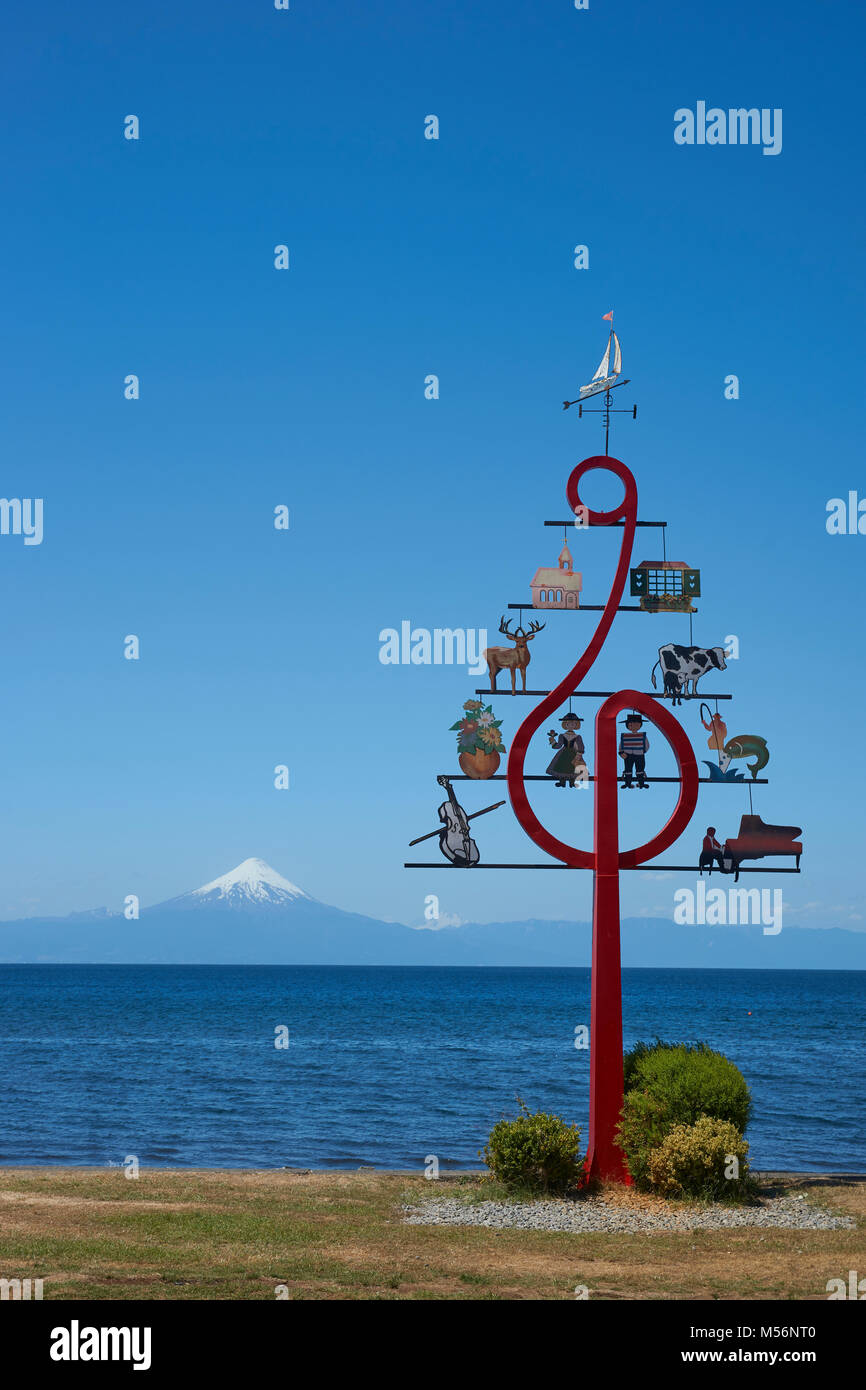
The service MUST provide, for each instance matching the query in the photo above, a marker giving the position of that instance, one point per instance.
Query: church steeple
(565, 561)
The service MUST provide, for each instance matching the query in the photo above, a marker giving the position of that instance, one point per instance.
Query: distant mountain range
(254, 916)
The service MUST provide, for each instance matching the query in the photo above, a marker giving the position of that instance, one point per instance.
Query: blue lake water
(386, 1065)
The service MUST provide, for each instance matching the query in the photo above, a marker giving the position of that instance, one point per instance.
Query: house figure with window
(560, 587)
(665, 586)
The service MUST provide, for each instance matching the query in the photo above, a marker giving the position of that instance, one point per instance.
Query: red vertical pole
(604, 1158)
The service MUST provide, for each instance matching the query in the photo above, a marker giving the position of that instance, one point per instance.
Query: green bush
(670, 1084)
(644, 1124)
(534, 1152)
(635, 1056)
(695, 1161)
(691, 1080)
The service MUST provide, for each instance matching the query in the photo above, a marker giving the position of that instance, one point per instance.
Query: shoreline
(453, 1174)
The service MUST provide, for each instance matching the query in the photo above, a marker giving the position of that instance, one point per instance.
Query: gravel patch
(791, 1212)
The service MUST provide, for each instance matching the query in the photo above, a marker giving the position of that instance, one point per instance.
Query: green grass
(193, 1235)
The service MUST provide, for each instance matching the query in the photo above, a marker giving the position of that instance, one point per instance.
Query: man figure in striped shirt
(633, 746)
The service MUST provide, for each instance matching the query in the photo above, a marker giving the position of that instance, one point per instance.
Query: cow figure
(679, 665)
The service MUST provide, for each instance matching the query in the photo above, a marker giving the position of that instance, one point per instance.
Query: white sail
(617, 355)
(604, 377)
(604, 363)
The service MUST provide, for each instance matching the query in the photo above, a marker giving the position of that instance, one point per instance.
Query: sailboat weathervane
(606, 379)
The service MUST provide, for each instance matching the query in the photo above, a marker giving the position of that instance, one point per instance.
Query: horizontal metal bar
(624, 868)
(548, 777)
(607, 523)
(601, 694)
(584, 608)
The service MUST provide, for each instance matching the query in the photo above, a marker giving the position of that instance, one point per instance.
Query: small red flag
(608, 316)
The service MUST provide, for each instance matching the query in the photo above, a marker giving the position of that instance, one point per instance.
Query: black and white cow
(679, 665)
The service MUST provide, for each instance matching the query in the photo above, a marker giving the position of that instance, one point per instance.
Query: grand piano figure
(756, 840)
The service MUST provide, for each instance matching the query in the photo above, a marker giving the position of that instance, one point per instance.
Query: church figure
(560, 587)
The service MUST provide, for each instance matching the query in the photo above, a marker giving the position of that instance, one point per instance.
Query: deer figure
(514, 658)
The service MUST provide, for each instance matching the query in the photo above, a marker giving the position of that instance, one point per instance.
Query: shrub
(671, 1084)
(694, 1160)
(691, 1080)
(534, 1152)
(635, 1055)
(643, 1126)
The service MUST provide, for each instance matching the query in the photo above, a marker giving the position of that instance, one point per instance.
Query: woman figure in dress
(568, 763)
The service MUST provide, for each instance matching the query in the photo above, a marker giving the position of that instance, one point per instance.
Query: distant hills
(254, 916)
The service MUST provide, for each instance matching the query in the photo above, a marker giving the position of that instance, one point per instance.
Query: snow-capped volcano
(252, 884)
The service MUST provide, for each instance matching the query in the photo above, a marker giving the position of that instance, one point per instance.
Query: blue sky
(306, 387)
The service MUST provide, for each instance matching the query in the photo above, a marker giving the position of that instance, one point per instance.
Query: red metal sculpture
(604, 1158)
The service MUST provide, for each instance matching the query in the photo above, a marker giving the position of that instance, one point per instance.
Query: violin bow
(472, 817)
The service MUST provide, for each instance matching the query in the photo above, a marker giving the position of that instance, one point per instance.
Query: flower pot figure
(479, 764)
(568, 764)
(479, 742)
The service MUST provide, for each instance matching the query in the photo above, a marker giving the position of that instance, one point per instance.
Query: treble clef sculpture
(604, 1157)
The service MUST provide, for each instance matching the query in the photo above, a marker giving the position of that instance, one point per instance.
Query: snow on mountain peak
(253, 881)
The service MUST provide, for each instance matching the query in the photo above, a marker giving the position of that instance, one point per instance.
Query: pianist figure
(711, 851)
